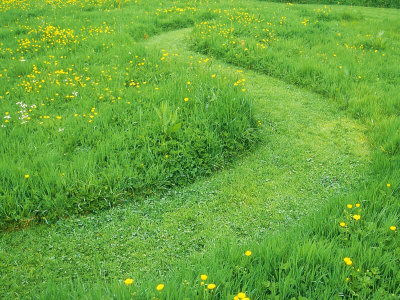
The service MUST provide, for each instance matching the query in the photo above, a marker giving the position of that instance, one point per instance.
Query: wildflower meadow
(207, 149)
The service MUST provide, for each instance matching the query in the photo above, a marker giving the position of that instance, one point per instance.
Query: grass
(328, 155)
(187, 222)
(372, 3)
(90, 124)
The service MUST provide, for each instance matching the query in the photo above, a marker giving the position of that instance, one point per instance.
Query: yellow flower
(213, 75)
(347, 261)
(356, 217)
(342, 224)
(59, 117)
(393, 228)
(347, 279)
(358, 205)
(186, 99)
(349, 206)
(248, 253)
(160, 287)
(236, 298)
(388, 184)
(203, 277)
(211, 286)
(128, 281)
(241, 295)
(26, 176)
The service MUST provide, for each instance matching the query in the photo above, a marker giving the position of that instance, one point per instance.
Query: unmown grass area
(372, 3)
(90, 119)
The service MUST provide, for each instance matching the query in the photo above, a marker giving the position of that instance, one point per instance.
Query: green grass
(95, 119)
(331, 141)
(310, 152)
(372, 3)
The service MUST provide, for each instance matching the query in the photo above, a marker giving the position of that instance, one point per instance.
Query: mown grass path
(310, 152)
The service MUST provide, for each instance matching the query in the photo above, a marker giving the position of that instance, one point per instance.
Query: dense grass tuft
(372, 3)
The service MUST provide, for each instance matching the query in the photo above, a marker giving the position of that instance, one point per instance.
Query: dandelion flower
(241, 295)
(26, 176)
(248, 253)
(203, 277)
(160, 287)
(393, 228)
(186, 99)
(358, 205)
(342, 224)
(349, 206)
(356, 217)
(211, 286)
(348, 261)
(388, 184)
(128, 281)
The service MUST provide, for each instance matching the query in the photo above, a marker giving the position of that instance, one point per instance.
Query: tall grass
(91, 119)
(372, 3)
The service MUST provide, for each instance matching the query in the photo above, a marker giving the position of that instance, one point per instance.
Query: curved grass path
(310, 152)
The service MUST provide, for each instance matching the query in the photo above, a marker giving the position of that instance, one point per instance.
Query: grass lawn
(291, 135)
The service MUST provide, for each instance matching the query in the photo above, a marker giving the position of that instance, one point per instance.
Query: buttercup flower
(128, 281)
(348, 261)
(211, 286)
